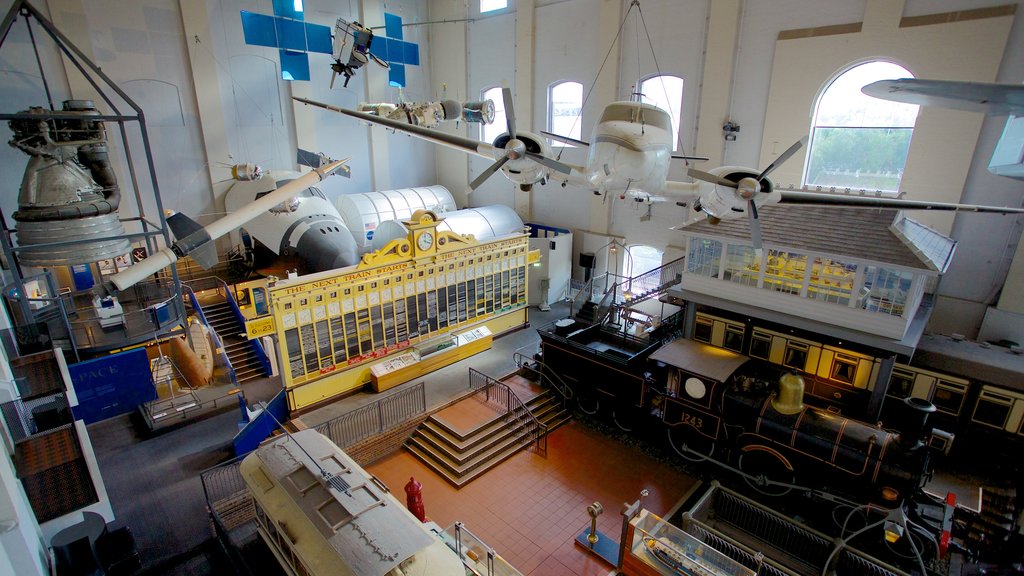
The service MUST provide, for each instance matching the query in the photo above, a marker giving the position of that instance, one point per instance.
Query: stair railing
(217, 343)
(254, 343)
(637, 289)
(215, 283)
(461, 541)
(545, 374)
(586, 292)
(498, 393)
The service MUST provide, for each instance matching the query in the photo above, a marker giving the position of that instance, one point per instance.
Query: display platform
(424, 360)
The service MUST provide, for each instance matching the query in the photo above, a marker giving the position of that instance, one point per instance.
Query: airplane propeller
(747, 188)
(515, 148)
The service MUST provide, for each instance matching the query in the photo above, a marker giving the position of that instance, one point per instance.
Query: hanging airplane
(992, 99)
(629, 153)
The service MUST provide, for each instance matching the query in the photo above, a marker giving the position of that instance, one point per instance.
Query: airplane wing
(482, 149)
(808, 198)
(993, 99)
(565, 139)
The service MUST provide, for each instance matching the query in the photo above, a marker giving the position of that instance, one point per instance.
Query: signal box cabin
(841, 295)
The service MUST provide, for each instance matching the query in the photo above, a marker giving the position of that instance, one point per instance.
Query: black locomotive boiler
(711, 402)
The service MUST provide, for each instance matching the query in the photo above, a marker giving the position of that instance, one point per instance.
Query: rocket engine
(69, 191)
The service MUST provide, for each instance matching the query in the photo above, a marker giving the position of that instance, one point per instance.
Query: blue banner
(111, 385)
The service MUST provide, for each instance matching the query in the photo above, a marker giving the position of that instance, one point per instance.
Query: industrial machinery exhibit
(301, 289)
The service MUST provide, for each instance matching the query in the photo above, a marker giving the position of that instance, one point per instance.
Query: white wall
(146, 47)
(567, 47)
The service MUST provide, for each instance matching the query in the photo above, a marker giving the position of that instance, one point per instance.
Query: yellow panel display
(331, 322)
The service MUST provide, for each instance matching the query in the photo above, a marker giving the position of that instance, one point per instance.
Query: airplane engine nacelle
(524, 171)
(724, 203)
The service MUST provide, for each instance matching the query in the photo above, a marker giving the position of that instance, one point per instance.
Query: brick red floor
(531, 508)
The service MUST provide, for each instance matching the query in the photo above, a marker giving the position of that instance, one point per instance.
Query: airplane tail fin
(182, 226)
(314, 161)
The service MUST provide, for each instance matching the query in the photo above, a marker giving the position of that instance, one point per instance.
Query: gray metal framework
(109, 92)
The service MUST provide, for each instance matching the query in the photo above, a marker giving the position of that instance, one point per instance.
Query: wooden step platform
(468, 438)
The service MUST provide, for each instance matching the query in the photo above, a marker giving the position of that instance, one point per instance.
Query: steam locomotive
(710, 402)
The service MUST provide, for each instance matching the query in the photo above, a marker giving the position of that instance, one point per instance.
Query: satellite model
(430, 114)
(352, 49)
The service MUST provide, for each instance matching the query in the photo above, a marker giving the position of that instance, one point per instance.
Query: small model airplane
(991, 99)
(629, 151)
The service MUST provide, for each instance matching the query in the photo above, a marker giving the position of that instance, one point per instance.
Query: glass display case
(662, 548)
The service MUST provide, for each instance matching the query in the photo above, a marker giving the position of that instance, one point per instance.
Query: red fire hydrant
(414, 499)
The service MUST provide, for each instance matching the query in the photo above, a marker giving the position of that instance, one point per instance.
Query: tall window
(859, 141)
(666, 92)
(492, 5)
(641, 259)
(565, 104)
(488, 132)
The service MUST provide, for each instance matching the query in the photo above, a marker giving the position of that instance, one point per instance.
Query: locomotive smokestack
(790, 399)
(915, 427)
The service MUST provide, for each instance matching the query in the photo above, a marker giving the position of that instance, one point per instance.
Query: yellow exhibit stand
(335, 328)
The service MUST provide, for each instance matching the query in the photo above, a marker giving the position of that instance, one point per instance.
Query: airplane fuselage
(630, 148)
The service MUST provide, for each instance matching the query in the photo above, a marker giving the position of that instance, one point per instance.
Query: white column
(377, 91)
(448, 54)
(606, 90)
(522, 95)
(716, 78)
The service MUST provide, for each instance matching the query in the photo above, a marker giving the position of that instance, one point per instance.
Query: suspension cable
(590, 90)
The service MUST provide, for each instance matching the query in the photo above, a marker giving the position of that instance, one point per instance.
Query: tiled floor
(531, 508)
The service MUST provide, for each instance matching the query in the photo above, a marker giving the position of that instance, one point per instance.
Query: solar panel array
(295, 38)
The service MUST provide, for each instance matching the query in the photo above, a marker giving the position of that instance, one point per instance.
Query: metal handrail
(218, 344)
(177, 373)
(456, 531)
(522, 361)
(375, 418)
(651, 283)
(514, 408)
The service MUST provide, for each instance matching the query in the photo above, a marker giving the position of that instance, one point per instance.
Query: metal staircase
(245, 359)
(619, 294)
(241, 356)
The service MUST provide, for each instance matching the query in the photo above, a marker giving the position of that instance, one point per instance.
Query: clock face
(425, 240)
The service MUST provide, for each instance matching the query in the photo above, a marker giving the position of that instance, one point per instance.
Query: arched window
(640, 259)
(859, 141)
(488, 132)
(565, 104)
(666, 92)
(492, 5)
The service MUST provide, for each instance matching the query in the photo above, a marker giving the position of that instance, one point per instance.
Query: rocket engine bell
(69, 191)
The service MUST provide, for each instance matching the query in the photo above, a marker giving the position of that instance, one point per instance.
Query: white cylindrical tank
(363, 212)
(483, 223)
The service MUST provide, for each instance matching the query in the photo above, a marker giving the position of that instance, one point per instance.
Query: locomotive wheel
(689, 444)
(761, 467)
(588, 404)
(624, 419)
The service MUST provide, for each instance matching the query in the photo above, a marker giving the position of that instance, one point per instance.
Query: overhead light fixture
(730, 129)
